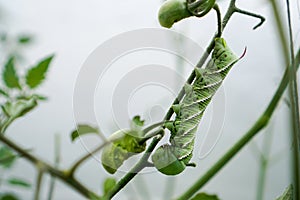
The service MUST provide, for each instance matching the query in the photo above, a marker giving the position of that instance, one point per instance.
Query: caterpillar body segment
(172, 158)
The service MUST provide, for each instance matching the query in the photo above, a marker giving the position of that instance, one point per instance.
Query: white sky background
(72, 29)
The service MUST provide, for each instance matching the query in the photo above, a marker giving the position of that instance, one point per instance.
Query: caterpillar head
(126, 144)
(171, 12)
(222, 56)
(166, 162)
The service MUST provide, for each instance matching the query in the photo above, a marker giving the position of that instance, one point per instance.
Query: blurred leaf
(83, 129)
(40, 97)
(34, 96)
(136, 123)
(9, 75)
(8, 196)
(3, 93)
(7, 157)
(19, 182)
(18, 108)
(3, 37)
(108, 184)
(24, 39)
(204, 196)
(287, 194)
(36, 74)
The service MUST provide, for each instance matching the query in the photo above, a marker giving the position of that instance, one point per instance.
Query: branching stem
(48, 168)
(258, 125)
(295, 107)
(219, 20)
(143, 162)
(68, 177)
(140, 165)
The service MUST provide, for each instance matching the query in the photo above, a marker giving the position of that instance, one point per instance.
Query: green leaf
(18, 108)
(4, 93)
(36, 74)
(24, 39)
(33, 96)
(7, 157)
(19, 182)
(287, 194)
(204, 196)
(83, 129)
(108, 184)
(9, 75)
(8, 196)
(137, 121)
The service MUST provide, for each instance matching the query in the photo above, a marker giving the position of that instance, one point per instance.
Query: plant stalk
(71, 181)
(258, 125)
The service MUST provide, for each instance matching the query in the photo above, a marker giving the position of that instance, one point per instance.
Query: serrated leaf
(83, 129)
(204, 196)
(9, 74)
(18, 108)
(24, 39)
(36, 74)
(7, 157)
(19, 182)
(287, 194)
(8, 196)
(108, 184)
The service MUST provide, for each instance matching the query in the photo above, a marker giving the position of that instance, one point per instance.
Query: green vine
(19, 106)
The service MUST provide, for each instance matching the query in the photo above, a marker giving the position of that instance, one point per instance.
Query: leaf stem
(219, 20)
(264, 160)
(262, 19)
(56, 164)
(258, 125)
(74, 167)
(136, 169)
(48, 168)
(38, 184)
(295, 107)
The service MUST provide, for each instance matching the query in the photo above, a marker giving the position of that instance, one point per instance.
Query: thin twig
(136, 169)
(81, 160)
(281, 31)
(219, 20)
(264, 159)
(48, 168)
(97, 149)
(295, 107)
(39, 179)
(56, 164)
(262, 19)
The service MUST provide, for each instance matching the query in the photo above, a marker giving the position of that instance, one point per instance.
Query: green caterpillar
(171, 159)
(173, 11)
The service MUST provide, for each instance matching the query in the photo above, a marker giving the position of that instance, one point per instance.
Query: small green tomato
(172, 11)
